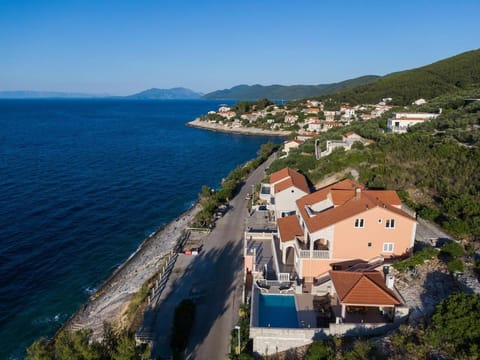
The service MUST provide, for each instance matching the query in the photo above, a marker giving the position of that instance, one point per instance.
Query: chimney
(358, 192)
(390, 281)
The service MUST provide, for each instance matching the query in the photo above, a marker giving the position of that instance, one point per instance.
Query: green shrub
(455, 265)
(452, 249)
(455, 326)
(428, 213)
(321, 350)
(418, 258)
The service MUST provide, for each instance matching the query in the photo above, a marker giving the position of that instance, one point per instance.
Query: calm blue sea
(82, 183)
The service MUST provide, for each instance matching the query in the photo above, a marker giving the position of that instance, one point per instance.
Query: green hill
(281, 92)
(454, 73)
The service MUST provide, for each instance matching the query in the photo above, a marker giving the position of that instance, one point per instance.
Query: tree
(362, 350)
(77, 345)
(40, 350)
(126, 348)
(455, 325)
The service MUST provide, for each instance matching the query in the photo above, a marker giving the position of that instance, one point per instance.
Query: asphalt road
(214, 280)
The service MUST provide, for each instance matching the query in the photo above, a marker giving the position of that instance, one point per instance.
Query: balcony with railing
(314, 254)
(320, 249)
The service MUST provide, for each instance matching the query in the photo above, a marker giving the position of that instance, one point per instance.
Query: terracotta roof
(289, 177)
(285, 184)
(294, 141)
(389, 197)
(362, 288)
(289, 228)
(279, 175)
(321, 194)
(347, 203)
(349, 133)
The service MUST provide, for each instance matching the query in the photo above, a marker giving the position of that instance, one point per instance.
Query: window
(387, 247)
(369, 244)
(359, 223)
(390, 224)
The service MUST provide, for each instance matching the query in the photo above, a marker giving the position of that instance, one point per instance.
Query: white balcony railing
(314, 254)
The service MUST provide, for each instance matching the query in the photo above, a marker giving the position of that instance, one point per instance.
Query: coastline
(197, 123)
(111, 300)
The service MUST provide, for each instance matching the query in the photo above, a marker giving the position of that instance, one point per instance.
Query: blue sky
(122, 47)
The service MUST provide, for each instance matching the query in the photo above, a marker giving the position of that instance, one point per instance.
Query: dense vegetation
(79, 345)
(457, 72)
(281, 92)
(453, 332)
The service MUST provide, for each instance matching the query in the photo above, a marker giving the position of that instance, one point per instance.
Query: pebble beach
(111, 300)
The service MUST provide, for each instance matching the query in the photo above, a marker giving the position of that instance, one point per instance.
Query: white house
(291, 144)
(286, 187)
(400, 122)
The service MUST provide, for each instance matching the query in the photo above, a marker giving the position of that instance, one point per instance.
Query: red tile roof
(289, 228)
(362, 288)
(349, 199)
(295, 141)
(279, 175)
(289, 177)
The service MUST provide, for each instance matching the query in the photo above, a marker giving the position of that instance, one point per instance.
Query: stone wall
(267, 341)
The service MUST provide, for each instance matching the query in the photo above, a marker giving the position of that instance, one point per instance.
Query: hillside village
(331, 249)
(306, 119)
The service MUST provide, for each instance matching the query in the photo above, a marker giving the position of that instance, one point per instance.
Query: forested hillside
(454, 73)
(283, 92)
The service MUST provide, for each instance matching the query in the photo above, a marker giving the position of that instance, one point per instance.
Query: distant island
(177, 93)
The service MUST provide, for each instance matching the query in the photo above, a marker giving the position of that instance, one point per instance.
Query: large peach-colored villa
(325, 252)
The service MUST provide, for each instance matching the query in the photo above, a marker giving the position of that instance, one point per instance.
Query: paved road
(429, 233)
(214, 278)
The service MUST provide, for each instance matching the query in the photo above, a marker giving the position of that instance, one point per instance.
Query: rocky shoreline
(110, 301)
(197, 123)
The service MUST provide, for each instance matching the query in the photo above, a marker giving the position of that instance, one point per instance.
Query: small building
(291, 144)
(419, 102)
(286, 186)
(400, 122)
(327, 125)
(291, 119)
(329, 115)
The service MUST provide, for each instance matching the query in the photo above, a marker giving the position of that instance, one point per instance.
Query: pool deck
(305, 311)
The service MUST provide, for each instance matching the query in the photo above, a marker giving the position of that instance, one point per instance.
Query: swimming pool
(277, 311)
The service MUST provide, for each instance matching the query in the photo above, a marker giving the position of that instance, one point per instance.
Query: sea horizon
(85, 182)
